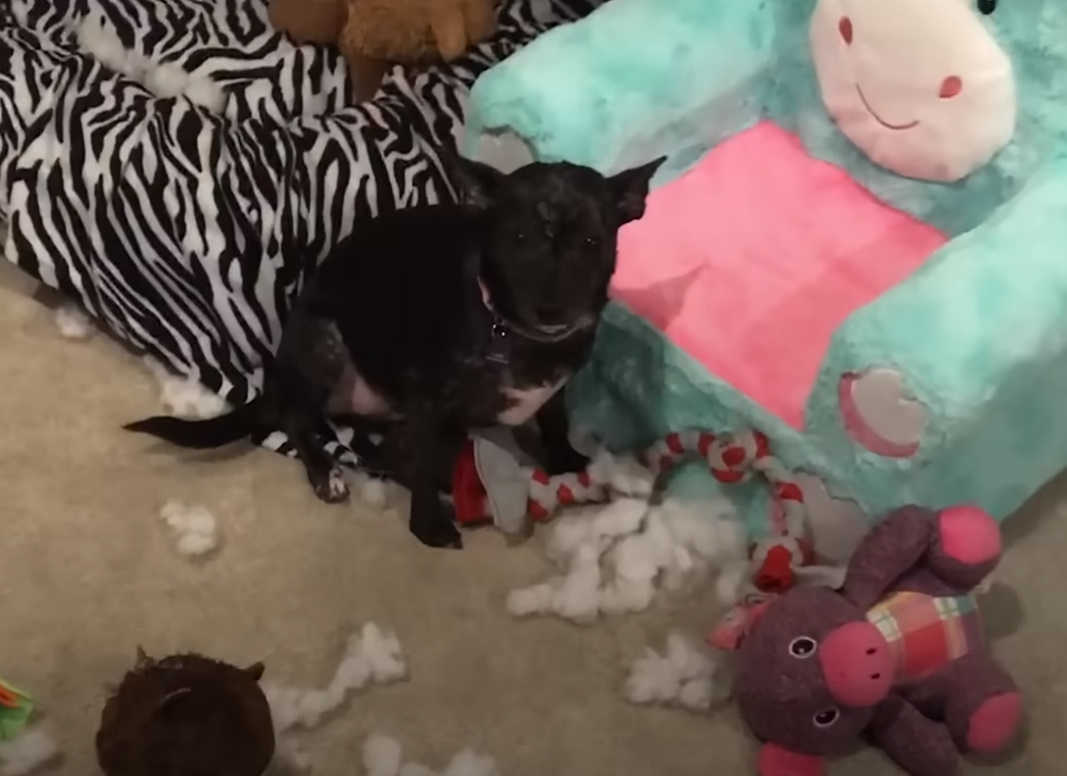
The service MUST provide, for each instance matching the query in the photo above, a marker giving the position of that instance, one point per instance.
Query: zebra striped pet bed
(186, 231)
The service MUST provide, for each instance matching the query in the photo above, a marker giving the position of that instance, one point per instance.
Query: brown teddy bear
(372, 35)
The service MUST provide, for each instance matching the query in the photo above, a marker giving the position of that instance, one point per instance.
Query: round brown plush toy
(186, 715)
(375, 34)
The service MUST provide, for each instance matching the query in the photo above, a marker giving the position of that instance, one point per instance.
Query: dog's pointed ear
(256, 671)
(475, 183)
(631, 189)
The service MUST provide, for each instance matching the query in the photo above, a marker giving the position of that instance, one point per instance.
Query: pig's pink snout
(857, 664)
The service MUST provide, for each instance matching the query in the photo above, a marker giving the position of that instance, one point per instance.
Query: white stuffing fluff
(166, 79)
(625, 476)
(615, 559)
(684, 675)
(732, 580)
(73, 322)
(383, 756)
(470, 763)
(170, 79)
(202, 91)
(31, 750)
(193, 526)
(371, 491)
(373, 656)
(289, 759)
(183, 396)
(102, 43)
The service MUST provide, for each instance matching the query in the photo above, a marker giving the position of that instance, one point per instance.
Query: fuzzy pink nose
(857, 664)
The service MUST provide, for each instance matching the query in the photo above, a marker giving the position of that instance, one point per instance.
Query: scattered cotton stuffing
(193, 526)
(103, 44)
(289, 759)
(30, 750)
(184, 397)
(615, 559)
(383, 756)
(732, 580)
(203, 91)
(170, 79)
(624, 475)
(73, 322)
(371, 491)
(685, 674)
(373, 656)
(470, 763)
(164, 79)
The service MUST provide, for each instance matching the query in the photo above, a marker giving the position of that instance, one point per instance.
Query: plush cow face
(920, 86)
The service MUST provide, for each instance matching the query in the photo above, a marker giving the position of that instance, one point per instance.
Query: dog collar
(503, 331)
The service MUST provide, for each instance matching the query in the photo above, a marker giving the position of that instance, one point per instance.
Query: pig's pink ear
(776, 761)
(736, 624)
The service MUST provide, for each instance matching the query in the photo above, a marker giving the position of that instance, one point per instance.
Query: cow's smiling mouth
(878, 118)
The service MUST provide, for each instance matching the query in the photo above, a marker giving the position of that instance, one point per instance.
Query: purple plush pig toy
(896, 656)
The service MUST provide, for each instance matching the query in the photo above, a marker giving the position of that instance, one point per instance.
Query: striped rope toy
(731, 459)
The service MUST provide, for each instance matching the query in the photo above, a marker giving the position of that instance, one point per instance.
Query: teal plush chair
(951, 385)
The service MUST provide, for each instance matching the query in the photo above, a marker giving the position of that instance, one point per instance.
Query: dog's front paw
(566, 461)
(432, 521)
(332, 488)
(440, 533)
(444, 536)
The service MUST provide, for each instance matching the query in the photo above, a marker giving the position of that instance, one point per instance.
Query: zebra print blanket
(186, 231)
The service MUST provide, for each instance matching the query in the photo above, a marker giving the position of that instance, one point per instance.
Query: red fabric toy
(489, 483)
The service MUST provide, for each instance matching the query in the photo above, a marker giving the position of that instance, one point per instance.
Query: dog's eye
(520, 237)
(592, 242)
(987, 6)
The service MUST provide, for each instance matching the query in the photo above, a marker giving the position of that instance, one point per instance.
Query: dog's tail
(202, 434)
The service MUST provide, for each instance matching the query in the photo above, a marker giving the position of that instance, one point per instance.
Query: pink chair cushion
(751, 260)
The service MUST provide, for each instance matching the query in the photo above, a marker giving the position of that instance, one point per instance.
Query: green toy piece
(15, 710)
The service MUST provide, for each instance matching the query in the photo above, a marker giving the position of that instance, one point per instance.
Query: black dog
(445, 318)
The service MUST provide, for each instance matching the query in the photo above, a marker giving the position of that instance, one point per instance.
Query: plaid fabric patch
(927, 633)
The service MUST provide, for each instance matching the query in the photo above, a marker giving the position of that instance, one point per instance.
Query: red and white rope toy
(731, 460)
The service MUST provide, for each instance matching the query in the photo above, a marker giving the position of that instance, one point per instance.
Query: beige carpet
(89, 573)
